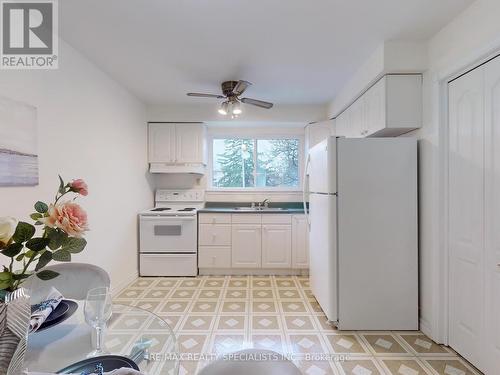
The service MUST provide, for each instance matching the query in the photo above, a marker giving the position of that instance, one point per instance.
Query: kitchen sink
(260, 209)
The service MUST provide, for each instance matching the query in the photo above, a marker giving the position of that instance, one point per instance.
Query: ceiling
(294, 51)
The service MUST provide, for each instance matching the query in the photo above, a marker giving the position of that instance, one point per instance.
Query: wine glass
(97, 310)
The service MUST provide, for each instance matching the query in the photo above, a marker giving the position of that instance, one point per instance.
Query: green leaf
(37, 243)
(57, 238)
(36, 216)
(4, 285)
(74, 245)
(5, 280)
(20, 257)
(41, 207)
(61, 185)
(47, 274)
(29, 254)
(61, 255)
(45, 259)
(12, 250)
(5, 276)
(39, 223)
(20, 276)
(24, 232)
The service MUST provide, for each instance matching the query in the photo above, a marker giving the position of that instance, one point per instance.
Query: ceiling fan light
(236, 108)
(223, 109)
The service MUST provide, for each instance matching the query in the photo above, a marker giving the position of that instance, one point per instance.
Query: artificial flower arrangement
(62, 225)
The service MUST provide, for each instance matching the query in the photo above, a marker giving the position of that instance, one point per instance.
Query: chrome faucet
(264, 203)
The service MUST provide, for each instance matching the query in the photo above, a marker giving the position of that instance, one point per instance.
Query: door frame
(439, 328)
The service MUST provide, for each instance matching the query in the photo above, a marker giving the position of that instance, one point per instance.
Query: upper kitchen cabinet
(161, 143)
(391, 107)
(189, 142)
(318, 131)
(177, 148)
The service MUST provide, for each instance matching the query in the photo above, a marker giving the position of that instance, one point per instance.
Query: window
(241, 163)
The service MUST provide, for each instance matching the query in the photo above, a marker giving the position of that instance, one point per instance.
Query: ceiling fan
(231, 91)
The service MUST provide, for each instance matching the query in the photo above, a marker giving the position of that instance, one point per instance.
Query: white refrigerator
(363, 219)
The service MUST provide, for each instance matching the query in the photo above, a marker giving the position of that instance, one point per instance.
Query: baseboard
(254, 272)
(117, 288)
(424, 328)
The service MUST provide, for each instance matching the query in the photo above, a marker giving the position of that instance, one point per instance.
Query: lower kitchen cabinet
(246, 246)
(252, 242)
(214, 235)
(276, 246)
(300, 242)
(214, 257)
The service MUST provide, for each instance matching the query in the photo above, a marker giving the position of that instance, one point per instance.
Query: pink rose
(69, 217)
(79, 186)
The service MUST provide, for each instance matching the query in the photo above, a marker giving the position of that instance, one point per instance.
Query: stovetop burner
(161, 209)
(188, 209)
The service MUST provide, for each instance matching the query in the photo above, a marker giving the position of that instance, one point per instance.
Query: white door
(246, 246)
(492, 215)
(300, 242)
(189, 143)
(276, 246)
(466, 214)
(161, 139)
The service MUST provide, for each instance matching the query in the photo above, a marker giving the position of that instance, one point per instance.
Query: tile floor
(217, 315)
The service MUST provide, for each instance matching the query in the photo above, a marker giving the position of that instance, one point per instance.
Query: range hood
(196, 169)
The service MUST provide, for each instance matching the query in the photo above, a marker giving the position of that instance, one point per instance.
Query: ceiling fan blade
(240, 87)
(258, 103)
(200, 95)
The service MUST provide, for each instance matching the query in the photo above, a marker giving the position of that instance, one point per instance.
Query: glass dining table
(130, 330)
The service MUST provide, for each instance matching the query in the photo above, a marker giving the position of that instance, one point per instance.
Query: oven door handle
(173, 218)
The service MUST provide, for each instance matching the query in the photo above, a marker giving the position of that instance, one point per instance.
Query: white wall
(237, 129)
(203, 109)
(88, 127)
(279, 119)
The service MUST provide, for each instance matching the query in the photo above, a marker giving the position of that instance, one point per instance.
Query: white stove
(177, 203)
(168, 234)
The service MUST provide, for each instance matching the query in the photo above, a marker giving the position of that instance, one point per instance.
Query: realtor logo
(29, 34)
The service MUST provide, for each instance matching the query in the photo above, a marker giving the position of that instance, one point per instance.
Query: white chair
(251, 362)
(15, 315)
(74, 281)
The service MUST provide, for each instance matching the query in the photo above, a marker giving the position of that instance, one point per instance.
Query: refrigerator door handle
(305, 190)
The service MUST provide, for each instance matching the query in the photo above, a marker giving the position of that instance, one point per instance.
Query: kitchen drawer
(246, 218)
(168, 265)
(214, 257)
(276, 219)
(209, 218)
(215, 235)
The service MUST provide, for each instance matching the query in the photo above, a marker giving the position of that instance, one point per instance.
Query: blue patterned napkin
(42, 310)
